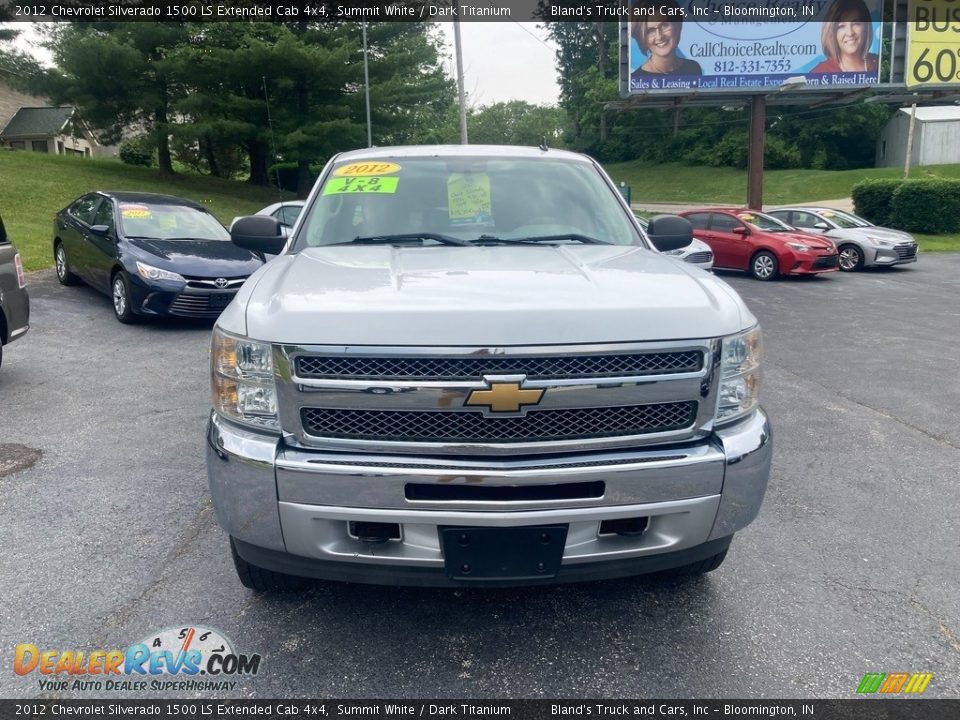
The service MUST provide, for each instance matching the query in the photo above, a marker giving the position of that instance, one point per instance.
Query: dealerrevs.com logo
(173, 659)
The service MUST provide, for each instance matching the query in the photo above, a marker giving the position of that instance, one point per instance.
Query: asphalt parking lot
(853, 565)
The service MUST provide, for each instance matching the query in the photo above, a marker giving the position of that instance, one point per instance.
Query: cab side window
(698, 220)
(83, 208)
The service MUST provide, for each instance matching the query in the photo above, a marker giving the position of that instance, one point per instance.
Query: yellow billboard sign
(933, 43)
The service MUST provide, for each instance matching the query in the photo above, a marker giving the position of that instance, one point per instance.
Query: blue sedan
(152, 254)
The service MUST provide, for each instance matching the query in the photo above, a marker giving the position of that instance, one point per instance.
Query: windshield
(163, 221)
(766, 223)
(470, 199)
(844, 220)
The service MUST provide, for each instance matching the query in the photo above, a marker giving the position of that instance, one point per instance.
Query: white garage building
(936, 137)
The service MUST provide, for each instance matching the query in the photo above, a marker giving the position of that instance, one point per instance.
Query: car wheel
(851, 258)
(763, 266)
(263, 580)
(120, 294)
(63, 266)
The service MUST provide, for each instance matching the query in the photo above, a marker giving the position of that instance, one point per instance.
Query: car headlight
(149, 272)
(799, 247)
(242, 378)
(877, 242)
(739, 390)
(679, 251)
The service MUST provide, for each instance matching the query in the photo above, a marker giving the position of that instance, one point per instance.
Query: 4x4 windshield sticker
(129, 210)
(468, 199)
(338, 186)
(366, 169)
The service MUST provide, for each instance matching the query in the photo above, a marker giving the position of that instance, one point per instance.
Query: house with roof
(936, 137)
(51, 130)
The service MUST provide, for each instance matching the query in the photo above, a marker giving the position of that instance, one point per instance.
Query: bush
(137, 151)
(927, 206)
(873, 199)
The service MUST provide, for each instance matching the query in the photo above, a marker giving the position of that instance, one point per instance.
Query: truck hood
(488, 296)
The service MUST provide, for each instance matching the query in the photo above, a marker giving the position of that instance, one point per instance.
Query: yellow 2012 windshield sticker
(340, 186)
(134, 211)
(468, 198)
(366, 169)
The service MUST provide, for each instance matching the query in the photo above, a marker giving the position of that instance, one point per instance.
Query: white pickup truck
(468, 365)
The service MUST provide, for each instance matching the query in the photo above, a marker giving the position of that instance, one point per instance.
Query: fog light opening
(374, 532)
(628, 527)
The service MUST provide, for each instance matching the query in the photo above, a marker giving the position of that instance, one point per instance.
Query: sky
(505, 61)
(501, 61)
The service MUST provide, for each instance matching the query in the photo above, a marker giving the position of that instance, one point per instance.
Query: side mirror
(669, 232)
(259, 233)
(101, 230)
(821, 226)
(741, 230)
(3, 233)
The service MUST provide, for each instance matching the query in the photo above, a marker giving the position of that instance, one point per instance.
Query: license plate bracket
(492, 553)
(220, 300)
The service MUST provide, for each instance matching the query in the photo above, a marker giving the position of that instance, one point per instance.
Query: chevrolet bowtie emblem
(504, 397)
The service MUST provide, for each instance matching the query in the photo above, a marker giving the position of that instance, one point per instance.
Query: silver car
(286, 213)
(696, 253)
(861, 243)
(14, 301)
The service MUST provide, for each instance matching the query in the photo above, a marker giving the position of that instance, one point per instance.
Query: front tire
(64, 275)
(263, 580)
(120, 294)
(851, 258)
(764, 266)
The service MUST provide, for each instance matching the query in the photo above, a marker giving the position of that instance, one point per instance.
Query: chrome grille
(474, 427)
(433, 368)
(197, 305)
(699, 257)
(905, 252)
(211, 283)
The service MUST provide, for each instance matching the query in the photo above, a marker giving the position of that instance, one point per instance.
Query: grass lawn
(695, 184)
(938, 243)
(33, 187)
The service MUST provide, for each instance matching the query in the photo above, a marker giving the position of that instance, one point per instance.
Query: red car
(761, 244)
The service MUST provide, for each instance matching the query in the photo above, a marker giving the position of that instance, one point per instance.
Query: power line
(538, 39)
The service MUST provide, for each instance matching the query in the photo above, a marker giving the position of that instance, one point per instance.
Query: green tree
(119, 75)
(516, 123)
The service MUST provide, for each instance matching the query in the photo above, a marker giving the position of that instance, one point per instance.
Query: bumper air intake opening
(504, 493)
(374, 532)
(629, 527)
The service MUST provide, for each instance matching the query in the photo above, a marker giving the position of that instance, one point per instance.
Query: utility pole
(758, 119)
(459, 56)
(366, 85)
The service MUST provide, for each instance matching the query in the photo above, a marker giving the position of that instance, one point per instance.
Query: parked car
(14, 300)
(152, 254)
(760, 244)
(286, 213)
(575, 405)
(696, 253)
(861, 243)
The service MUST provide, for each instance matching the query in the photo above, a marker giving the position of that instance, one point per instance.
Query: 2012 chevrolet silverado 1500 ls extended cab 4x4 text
(469, 365)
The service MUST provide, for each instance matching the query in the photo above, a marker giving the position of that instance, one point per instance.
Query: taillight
(21, 278)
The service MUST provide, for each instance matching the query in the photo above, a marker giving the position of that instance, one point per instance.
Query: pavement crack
(185, 544)
(883, 413)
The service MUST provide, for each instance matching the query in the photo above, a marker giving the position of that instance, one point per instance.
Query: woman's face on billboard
(850, 34)
(662, 37)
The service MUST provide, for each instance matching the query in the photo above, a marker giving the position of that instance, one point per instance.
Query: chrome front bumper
(280, 501)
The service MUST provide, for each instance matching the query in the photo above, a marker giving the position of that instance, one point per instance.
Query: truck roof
(501, 151)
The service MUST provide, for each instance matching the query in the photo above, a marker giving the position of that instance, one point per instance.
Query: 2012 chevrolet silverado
(469, 365)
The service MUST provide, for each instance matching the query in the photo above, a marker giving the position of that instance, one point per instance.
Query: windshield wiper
(575, 237)
(403, 238)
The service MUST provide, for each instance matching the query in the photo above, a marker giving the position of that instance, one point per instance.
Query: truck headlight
(739, 375)
(242, 377)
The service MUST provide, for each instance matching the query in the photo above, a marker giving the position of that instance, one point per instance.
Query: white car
(285, 212)
(696, 253)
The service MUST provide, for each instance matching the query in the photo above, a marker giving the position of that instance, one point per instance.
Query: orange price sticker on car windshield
(134, 211)
(366, 169)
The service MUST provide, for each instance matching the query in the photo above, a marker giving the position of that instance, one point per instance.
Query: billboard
(679, 45)
(933, 43)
